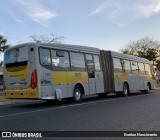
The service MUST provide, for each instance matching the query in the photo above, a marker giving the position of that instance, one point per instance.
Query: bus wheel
(125, 90)
(148, 89)
(77, 94)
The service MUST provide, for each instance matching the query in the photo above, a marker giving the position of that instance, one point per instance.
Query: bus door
(91, 74)
(142, 77)
(46, 74)
(98, 75)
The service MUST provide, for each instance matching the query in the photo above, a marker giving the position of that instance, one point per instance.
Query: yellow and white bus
(58, 71)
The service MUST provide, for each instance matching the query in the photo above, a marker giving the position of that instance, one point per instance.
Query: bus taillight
(34, 79)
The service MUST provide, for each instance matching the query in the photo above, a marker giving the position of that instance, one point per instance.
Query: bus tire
(148, 88)
(125, 91)
(77, 94)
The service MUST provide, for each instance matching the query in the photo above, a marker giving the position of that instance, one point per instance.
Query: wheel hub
(125, 91)
(77, 95)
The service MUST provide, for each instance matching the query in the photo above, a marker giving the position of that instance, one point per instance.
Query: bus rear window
(45, 58)
(16, 55)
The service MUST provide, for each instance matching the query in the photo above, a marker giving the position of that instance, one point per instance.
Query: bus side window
(77, 61)
(60, 60)
(97, 62)
(134, 67)
(127, 66)
(122, 64)
(90, 66)
(117, 65)
(141, 68)
(147, 69)
(45, 57)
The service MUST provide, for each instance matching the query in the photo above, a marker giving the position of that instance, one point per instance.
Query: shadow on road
(45, 104)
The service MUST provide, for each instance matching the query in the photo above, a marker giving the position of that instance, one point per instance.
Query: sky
(105, 24)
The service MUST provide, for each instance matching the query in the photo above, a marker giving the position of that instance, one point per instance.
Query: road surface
(138, 112)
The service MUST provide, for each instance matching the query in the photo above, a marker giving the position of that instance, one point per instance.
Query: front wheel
(77, 94)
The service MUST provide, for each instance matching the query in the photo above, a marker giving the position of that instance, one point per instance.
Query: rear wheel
(125, 90)
(148, 89)
(77, 94)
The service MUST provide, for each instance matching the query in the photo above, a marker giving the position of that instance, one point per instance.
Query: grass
(2, 98)
(158, 85)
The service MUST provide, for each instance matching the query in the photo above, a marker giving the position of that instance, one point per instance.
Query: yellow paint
(24, 93)
(149, 77)
(14, 69)
(102, 76)
(20, 73)
(69, 77)
(120, 77)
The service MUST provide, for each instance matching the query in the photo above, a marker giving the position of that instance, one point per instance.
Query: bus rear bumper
(22, 94)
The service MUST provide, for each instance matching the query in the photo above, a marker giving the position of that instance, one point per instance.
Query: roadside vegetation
(145, 47)
(2, 98)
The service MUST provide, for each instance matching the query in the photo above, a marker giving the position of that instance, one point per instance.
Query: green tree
(3, 44)
(144, 47)
(152, 54)
(158, 64)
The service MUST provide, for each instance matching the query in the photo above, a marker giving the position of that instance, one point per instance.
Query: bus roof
(77, 48)
(129, 57)
(80, 48)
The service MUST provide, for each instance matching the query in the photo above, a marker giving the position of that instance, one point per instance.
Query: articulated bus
(58, 71)
(1, 71)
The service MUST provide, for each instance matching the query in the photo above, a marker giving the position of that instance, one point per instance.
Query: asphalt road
(138, 112)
